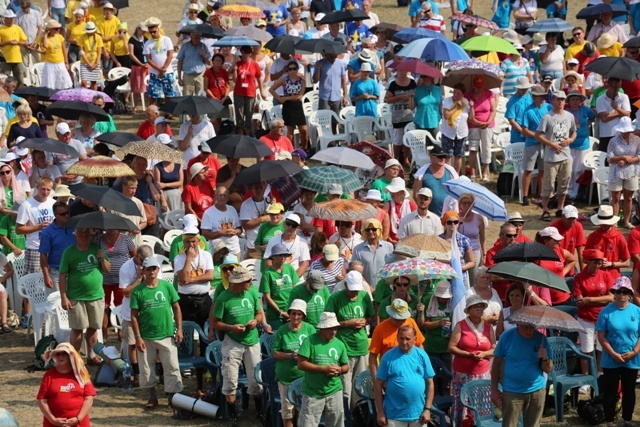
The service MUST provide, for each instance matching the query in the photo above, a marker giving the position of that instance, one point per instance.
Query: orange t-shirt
(385, 336)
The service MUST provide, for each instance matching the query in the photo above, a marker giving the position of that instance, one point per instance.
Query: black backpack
(592, 410)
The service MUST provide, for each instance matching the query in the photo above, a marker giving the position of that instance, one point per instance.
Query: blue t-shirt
(405, 375)
(532, 118)
(634, 13)
(522, 370)
(437, 188)
(622, 329)
(428, 100)
(53, 241)
(582, 119)
(276, 16)
(516, 106)
(355, 65)
(356, 34)
(365, 107)
(502, 15)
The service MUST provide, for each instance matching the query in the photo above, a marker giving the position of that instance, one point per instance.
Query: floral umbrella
(79, 94)
(476, 20)
(465, 70)
(543, 317)
(241, 11)
(424, 269)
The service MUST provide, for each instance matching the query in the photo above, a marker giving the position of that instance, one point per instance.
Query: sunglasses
(510, 236)
(151, 268)
(345, 224)
(621, 292)
(371, 229)
(453, 222)
(577, 34)
(293, 69)
(5, 172)
(403, 285)
(291, 224)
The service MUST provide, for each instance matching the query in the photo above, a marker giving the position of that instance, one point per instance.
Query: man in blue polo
(516, 106)
(54, 239)
(193, 59)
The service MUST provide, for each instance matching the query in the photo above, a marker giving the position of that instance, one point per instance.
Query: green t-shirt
(380, 184)
(356, 340)
(315, 302)
(434, 341)
(177, 244)
(84, 278)
(235, 309)
(8, 228)
(279, 285)
(320, 352)
(155, 315)
(289, 341)
(325, 198)
(265, 232)
(413, 306)
(220, 289)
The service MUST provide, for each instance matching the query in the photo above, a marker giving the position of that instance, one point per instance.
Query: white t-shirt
(603, 105)
(216, 220)
(128, 273)
(249, 210)
(199, 265)
(459, 128)
(346, 245)
(33, 212)
(203, 131)
(555, 60)
(302, 211)
(298, 249)
(159, 54)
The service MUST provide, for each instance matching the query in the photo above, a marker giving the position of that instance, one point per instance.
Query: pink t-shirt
(472, 341)
(481, 106)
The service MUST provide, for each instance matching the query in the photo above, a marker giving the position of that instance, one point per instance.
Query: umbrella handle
(468, 210)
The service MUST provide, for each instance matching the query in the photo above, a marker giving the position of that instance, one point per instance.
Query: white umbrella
(344, 156)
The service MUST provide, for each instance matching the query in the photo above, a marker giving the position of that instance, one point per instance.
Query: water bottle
(446, 330)
(126, 377)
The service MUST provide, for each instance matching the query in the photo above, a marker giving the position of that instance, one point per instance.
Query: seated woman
(25, 126)
(85, 133)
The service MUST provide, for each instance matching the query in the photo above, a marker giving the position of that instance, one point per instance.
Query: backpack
(46, 343)
(105, 377)
(403, 3)
(592, 410)
(505, 180)
(362, 415)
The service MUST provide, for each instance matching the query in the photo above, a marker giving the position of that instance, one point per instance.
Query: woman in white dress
(55, 73)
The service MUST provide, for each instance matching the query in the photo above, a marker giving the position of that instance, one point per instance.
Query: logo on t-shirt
(334, 352)
(358, 311)
(161, 297)
(301, 338)
(67, 388)
(318, 301)
(248, 303)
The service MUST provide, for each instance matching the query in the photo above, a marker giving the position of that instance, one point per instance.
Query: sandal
(6, 328)
(546, 216)
(152, 402)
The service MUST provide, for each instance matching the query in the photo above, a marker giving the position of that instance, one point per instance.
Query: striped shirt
(118, 254)
(434, 24)
(512, 72)
(330, 275)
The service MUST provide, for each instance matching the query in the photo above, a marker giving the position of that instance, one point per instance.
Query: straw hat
(605, 216)
(605, 41)
(153, 22)
(53, 24)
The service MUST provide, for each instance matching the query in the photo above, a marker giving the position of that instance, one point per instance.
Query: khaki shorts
(128, 336)
(561, 170)
(286, 407)
(627, 184)
(86, 314)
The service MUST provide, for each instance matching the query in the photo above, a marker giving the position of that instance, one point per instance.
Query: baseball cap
(63, 128)
(315, 279)
(551, 232)
(439, 152)
(424, 191)
(204, 147)
(300, 153)
(353, 281)
(275, 208)
(283, 155)
(547, 78)
(319, 17)
(151, 261)
(331, 252)
(292, 217)
(573, 61)
(570, 211)
(589, 49)
(335, 189)
(159, 121)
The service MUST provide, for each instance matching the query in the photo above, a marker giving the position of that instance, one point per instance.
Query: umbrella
(102, 221)
(49, 145)
(262, 5)
(374, 152)
(207, 31)
(433, 50)
(531, 273)
(476, 20)
(266, 171)
(343, 210)
(283, 44)
(424, 246)
(106, 197)
(407, 35)
(390, 28)
(343, 16)
(192, 105)
(486, 203)
(320, 46)
(424, 269)
(154, 150)
(250, 32)
(527, 252)
(464, 71)
(100, 167)
(618, 67)
(79, 94)
(344, 156)
(417, 67)
(319, 179)
(632, 42)
(241, 11)
(551, 25)
(120, 4)
(233, 41)
(41, 92)
(239, 146)
(543, 317)
(597, 10)
(119, 139)
(71, 110)
(488, 44)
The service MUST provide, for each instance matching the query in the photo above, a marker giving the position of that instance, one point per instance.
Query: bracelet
(291, 356)
(264, 324)
(137, 336)
(427, 408)
(228, 328)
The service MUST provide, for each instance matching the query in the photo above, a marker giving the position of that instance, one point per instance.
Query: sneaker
(25, 322)
(525, 201)
(584, 389)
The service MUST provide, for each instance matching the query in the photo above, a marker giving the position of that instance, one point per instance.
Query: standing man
(31, 23)
(610, 106)
(221, 221)
(507, 237)
(253, 213)
(158, 51)
(574, 239)
(53, 241)
(406, 375)
(331, 76)
(12, 38)
(516, 106)
(315, 293)
(277, 19)
(421, 220)
(129, 189)
(193, 59)
(372, 251)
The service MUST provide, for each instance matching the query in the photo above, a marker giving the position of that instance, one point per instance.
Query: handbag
(150, 212)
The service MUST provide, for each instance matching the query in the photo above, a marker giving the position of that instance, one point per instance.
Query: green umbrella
(319, 179)
(529, 273)
(488, 44)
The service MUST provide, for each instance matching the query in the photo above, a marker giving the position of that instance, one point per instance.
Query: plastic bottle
(126, 377)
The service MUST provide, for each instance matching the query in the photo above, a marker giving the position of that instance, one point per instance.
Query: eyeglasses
(65, 213)
(151, 268)
(453, 222)
(577, 34)
(510, 236)
(227, 269)
(153, 31)
(371, 229)
(477, 306)
(403, 284)
(292, 69)
(427, 10)
(5, 172)
(291, 224)
(621, 292)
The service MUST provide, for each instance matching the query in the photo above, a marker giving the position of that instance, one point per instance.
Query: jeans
(57, 13)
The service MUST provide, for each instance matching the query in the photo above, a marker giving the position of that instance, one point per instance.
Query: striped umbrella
(319, 179)
(551, 25)
(486, 203)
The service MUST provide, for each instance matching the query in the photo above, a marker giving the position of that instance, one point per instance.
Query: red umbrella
(417, 67)
(378, 155)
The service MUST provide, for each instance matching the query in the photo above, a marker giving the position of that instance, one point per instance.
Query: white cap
(20, 151)
(63, 128)
(331, 252)
(151, 261)
(425, 191)
(283, 155)
(551, 232)
(164, 138)
(570, 211)
(373, 195)
(292, 217)
(353, 281)
(319, 16)
(392, 162)
(335, 189)
(573, 61)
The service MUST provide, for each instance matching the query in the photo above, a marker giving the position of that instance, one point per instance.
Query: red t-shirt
(64, 395)
(276, 145)
(633, 241)
(587, 285)
(247, 73)
(147, 129)
(502, 285)
(612, 244)
(218, 82)
(328, 225)
(557, 268)
(201, 197)
(573, 237)
(212, 172)
(584, 60)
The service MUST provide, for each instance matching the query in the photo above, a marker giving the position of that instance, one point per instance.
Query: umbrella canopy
(551, 25)
(192, 105)
(319, 179)
(543, 317)
(239, 146)
(528, 272)
(154, 150)
(424, 269)
(427, 246)
(106, 197)
(344, 156)
(417, 67)
(320, 46)
(250, 32)
(597, 10)
(262, 5)
(407, 35)
(433, 50)
(120, 4)
(618, 67)
(632, 42)
(266, 171)
(488, 44)
(527, 252)
(207, 31)
(343, 16)
(232, 41)
(486, 203)
(343, 210)
(464, 71)
(43, 93)
(102, 221)
(100, 167)
(241, 11)
(476, 20)
(79, 94)
(49, 145)
(390, 28)
(378, 155)
(283, 44)
(71, 110)
(119, 139)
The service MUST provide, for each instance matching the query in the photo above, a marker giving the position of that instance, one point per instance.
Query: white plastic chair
(416, 140)
(14, 298)
(75, 74)
(385, 129)
(323, 124)
(116, 73)
(153, 241)
(31, 286)
(502, 140)
(593, 161)
(165, 263)
(35, 72)
(169, 236)
(172, 220)
(61, 329)
(514, 154)
(348, 113)
(601, 178)
(361, 127)
(409, 127)
(311, 97)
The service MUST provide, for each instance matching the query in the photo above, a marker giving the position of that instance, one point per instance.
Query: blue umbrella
(407, 35)
(235, 41)
(552, 25)
(597, 10)
(431, 49)
(486, 203)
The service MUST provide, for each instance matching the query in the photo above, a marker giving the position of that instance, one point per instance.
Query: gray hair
(145, 251)
(481, 271)
(354, 264)
(276, 122)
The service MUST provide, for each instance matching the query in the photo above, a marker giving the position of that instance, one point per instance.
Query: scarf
(79, 369)
(459, 108)
(433, 309)
(158, 46)
(405, 209)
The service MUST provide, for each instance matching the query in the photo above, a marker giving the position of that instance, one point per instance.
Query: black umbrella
(49, 145)
(39, 91)
(266, 171)
(526, 252)
(390, 28)
(632, 42)
(207, 31)
(283, 44)
(119, 139)
(597, 10)
(239, 146)
(71, 110)
(101, 221)
(106, 197)
(617, 67)
(343, 16)
(192, 105)
(320, 46)
(120, 4)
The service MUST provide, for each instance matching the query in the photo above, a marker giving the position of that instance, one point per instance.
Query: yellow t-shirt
(572, 50)
(53, 54)
(11, 52)
(72, 6)
(615, 50)
(107, 29)
(121, 47)
(97, 12)
(91, 46)
(76, 30)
